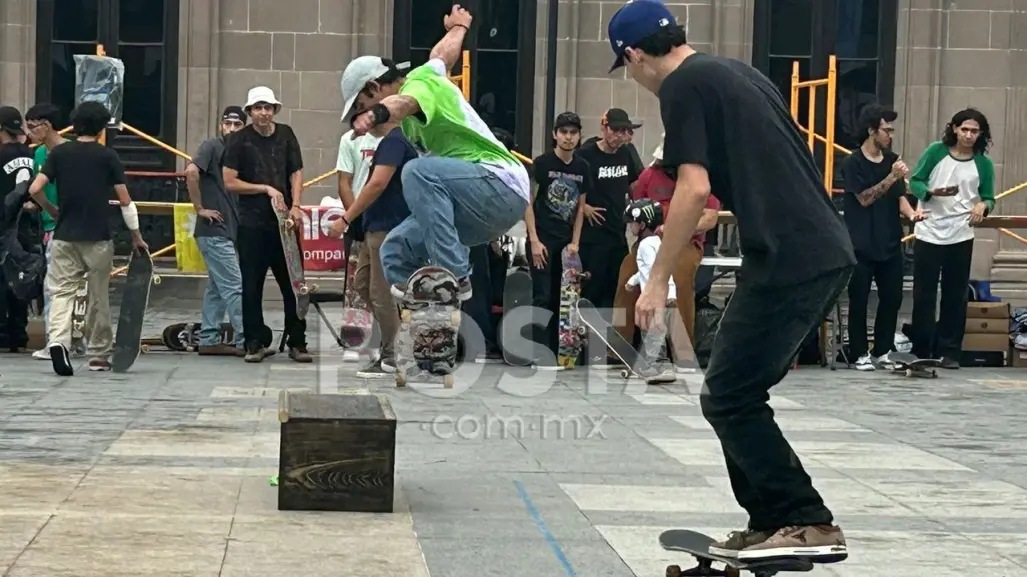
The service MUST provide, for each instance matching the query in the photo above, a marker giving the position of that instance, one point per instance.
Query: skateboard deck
(426, 345)
(287, 231)
(356, 315)
(637, 365)
(134, 298)
(78, 320)
(572, 330)
(909, 365)
(516, 293)
(185, 337)
(698, 545)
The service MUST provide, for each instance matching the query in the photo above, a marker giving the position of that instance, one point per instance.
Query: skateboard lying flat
(356, 315)
(287, 231)
(572, 330)
(185, 337)
(698, 545)
(911, 366)
(516, 293)
(134, 298)
(426, 345)
(637, 365)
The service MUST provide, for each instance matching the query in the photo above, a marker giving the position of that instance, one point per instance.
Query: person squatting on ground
(729, 130)
(381, 208)
(875, 197)
(468, 191)
(264, 166)
(657, 183)
(42, 121)
(645, 217)
(85, 173)
(16, 166)
(955, 184)
(217, 224)
(554, 220)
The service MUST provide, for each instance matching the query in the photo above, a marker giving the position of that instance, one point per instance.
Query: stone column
(17, 53)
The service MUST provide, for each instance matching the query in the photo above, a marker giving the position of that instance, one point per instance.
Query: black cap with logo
(233, 114)
(567, 119)
(10, 120)
(617, 118)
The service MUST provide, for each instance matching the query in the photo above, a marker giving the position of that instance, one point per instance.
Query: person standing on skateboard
(468, 191)
(85, 172)
(264, 166)
(554, 220)
(729, 131)
(217, 223)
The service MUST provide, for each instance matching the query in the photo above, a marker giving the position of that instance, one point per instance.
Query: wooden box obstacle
(338, 452)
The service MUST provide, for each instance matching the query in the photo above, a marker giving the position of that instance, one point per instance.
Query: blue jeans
(454, 205)
(224, 290)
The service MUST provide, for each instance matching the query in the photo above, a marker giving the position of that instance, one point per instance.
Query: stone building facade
(927, 58)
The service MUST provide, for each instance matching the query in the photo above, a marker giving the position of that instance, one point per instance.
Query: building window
(502, 47)
(144, 35)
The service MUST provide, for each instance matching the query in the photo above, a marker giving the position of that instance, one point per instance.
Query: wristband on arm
(131, 216)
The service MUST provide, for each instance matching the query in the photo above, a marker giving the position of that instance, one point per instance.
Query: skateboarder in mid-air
(468, 191)
(729, 130)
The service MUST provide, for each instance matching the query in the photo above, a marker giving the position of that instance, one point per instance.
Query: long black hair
(983, 142)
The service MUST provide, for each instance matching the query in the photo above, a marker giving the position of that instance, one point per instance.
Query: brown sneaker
(738, 540)
(218, 350)
(300, 355)
(818, 543)
(256, 356)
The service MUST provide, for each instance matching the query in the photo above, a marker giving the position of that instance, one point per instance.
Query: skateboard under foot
(698, 545)
(426, 346)
(134, 299)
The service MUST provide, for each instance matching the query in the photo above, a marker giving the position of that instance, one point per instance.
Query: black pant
(260, 249)
(545, 294)
(602, 261)
(888, 275)
(14, 319)
(952, 263)
(759, 336)
(704, 275)
(479, 307)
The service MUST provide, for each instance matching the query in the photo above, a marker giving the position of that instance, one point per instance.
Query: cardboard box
(986, 342)
(987, 326)
(1018, 358)
(987, 310)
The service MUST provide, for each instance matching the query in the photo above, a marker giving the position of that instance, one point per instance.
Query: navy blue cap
(636, 20)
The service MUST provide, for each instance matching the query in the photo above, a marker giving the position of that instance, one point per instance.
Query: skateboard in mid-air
(288, 232)
(134, 298)
(572, 330)
(426, 345)
(516, 293)
(698, 545)
(911, 366)
(635, 363)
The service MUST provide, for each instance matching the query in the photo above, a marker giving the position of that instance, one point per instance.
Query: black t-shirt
(85, 174)
(213, 194)
(390, 209)
(268, 160)
(16, 167)
(875, 230)
(612, 175)
(560, 185)
(727, 117)
(630, 147)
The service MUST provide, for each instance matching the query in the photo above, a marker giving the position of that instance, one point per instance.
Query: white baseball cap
(261, 94)
(356, 76)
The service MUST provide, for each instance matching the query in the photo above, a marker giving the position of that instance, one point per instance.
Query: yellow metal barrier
(811, 136)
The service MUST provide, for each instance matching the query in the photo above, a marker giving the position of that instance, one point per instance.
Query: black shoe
(949, 363)
(61, 361)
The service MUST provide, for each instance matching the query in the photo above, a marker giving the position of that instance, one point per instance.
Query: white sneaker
(42, 354)
(884, 361)
(865, 363)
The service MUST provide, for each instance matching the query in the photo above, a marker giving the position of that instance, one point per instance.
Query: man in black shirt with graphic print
(554, 220)
(16, 165)
(875, 196)
(263, 165)
(729, 131)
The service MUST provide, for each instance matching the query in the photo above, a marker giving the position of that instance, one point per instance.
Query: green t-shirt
(452, 129)
(50, 190)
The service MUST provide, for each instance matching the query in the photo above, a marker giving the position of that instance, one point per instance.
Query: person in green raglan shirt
(955, 184)
(468, 190)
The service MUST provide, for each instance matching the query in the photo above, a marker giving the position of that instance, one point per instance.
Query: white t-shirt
(355, 158)
(645, 257)
(948, 217)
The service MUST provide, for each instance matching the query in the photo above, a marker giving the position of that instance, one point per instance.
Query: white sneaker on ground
(865, 363)
(884, 361)
(42, 354)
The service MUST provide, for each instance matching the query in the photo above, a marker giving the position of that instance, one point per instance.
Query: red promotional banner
(321, 252)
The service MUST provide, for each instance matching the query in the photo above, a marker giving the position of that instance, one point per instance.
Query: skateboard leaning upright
(134, 298)
(356, 316)
(516, 293)
(911, 366)
(426, 345)
(637, 365)
(698, 545)
(572, 330)
(287, 231)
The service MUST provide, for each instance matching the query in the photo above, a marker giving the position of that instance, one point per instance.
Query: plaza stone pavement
(164, 471)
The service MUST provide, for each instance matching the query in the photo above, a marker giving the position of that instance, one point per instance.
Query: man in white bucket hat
(468, 191)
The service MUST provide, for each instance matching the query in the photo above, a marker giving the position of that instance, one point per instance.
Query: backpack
(23, 271)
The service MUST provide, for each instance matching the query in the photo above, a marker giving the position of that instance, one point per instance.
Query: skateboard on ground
(78, 320)
(287, 231)
(698, 545)
(134, 298)
(637, 365)
(572, 330)
(426, 345)
(356, 314)
(185, 337)
(909, 365)
(516, 293)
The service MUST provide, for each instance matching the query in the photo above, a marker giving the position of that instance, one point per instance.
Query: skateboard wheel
(405, 317)
(673, 571)
(401, 379)
(304, 289)
(144, 349)
(447, 381)
(156, 280)
(625, 374)
(455, 318)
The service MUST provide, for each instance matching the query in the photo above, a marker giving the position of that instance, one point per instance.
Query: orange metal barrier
(830, 83)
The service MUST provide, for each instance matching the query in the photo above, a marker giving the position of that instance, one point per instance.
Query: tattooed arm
(868, 196)
(450, 47)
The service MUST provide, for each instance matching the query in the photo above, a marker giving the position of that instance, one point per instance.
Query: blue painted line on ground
(553, 543)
